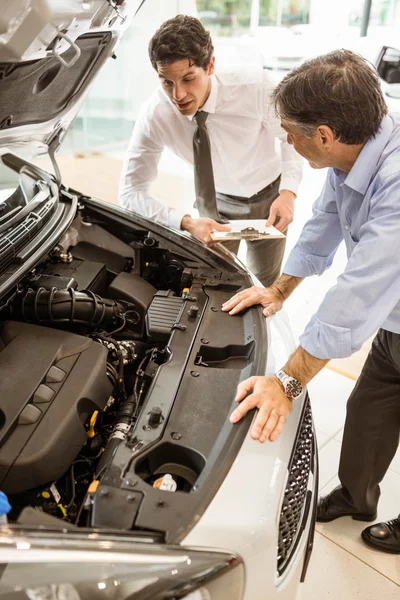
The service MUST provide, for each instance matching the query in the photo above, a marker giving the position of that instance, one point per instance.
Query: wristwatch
(291, 386)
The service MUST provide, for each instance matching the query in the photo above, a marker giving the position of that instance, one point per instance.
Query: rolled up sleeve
(319, 239)
(369, 288)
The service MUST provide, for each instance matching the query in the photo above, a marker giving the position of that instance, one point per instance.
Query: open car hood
(50, 53)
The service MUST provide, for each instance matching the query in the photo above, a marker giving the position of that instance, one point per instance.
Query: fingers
(244, 388)
(281, 225)
(220, 226)
(270, 310)
(276, 432)
(284, 222)
(242, 300)
(264, 423)
(273, 214)
(248, 404)
(268, 424)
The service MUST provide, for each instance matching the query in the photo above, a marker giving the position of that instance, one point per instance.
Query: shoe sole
(375, 547)
(359, 517)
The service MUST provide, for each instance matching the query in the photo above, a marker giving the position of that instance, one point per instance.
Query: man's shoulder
(390, 160)
(156, 107)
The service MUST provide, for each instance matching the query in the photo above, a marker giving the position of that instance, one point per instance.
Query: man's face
(312, 149)
(185, 84)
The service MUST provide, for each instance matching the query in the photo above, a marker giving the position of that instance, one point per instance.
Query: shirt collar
(211, 102)
(365, 166)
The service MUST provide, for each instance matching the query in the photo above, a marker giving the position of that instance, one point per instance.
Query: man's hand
(273, 406)
(270, 298)
(202, 228)
(282, 207)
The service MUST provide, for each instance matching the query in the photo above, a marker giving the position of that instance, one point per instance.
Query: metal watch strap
(292, 387)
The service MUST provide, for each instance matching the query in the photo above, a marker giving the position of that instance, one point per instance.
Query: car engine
(118, 371)
(80, 342)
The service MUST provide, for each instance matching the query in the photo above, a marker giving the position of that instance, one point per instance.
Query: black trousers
(372, 428)
(263, 257)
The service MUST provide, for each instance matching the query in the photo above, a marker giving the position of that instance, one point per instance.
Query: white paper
(258, 225)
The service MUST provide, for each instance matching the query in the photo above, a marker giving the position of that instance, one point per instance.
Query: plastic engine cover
(51, 381)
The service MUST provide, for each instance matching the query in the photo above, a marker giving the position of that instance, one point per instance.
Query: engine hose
(67, 307)
(118, 434)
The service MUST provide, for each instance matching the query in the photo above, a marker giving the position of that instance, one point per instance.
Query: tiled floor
(341, 566)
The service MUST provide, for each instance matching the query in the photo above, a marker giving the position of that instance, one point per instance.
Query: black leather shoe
(383, 536)
(327, 511)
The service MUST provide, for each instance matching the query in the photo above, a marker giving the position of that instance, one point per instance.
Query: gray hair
(340, 89)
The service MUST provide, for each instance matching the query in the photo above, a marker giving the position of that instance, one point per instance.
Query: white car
(118, 370)
(388, 67)
(281, 49)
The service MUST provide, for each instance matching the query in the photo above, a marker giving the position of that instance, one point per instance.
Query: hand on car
(273, 406)
(270, 298)
(202, 228)
(282, 207)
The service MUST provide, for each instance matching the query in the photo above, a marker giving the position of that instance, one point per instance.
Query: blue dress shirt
(363, 208)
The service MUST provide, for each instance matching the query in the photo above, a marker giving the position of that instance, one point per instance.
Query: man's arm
(304, 366)
(363, 298)
(140, 169)
(312, 255)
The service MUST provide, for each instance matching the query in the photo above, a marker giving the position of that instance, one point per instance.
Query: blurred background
(279, 34)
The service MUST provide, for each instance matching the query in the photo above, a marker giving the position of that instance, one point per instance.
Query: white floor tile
(346, 533)
(339, 436)
(322, 439)
(334, 573)
(395, 465)
(328, 462)
(329, 392)
(328, 487)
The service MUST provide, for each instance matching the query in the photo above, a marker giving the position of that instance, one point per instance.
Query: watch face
(293, 388)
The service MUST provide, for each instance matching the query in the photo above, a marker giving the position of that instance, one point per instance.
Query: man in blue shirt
(335, 115)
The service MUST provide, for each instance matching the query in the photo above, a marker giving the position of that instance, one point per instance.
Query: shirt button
(346, 227)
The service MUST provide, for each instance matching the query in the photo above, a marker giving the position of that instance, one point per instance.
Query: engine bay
(117, 380)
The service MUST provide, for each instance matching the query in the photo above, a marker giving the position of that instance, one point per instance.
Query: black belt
(260, 193)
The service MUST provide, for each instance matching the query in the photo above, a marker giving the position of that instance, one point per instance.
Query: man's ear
(326, 137)
(211, 65)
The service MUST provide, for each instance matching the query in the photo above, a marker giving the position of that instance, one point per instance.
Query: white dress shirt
(242, 128)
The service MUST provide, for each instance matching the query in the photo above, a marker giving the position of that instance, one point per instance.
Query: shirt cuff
(326, 341)
(175, 218)
(290, 183)
(305, 265)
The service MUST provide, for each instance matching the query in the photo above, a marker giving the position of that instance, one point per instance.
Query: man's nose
(179, 93)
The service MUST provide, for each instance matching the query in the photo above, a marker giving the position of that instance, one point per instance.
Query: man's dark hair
(340, 89)
(179, 38)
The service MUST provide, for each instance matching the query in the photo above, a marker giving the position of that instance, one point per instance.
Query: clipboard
(250, 230)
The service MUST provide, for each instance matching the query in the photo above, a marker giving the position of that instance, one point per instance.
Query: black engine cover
(51, 381)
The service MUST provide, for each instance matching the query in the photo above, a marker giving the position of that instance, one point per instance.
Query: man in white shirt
(225, 126)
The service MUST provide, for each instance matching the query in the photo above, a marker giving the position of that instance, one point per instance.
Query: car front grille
(296, 502)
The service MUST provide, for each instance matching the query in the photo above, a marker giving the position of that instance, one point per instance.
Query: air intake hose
(67, 307)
